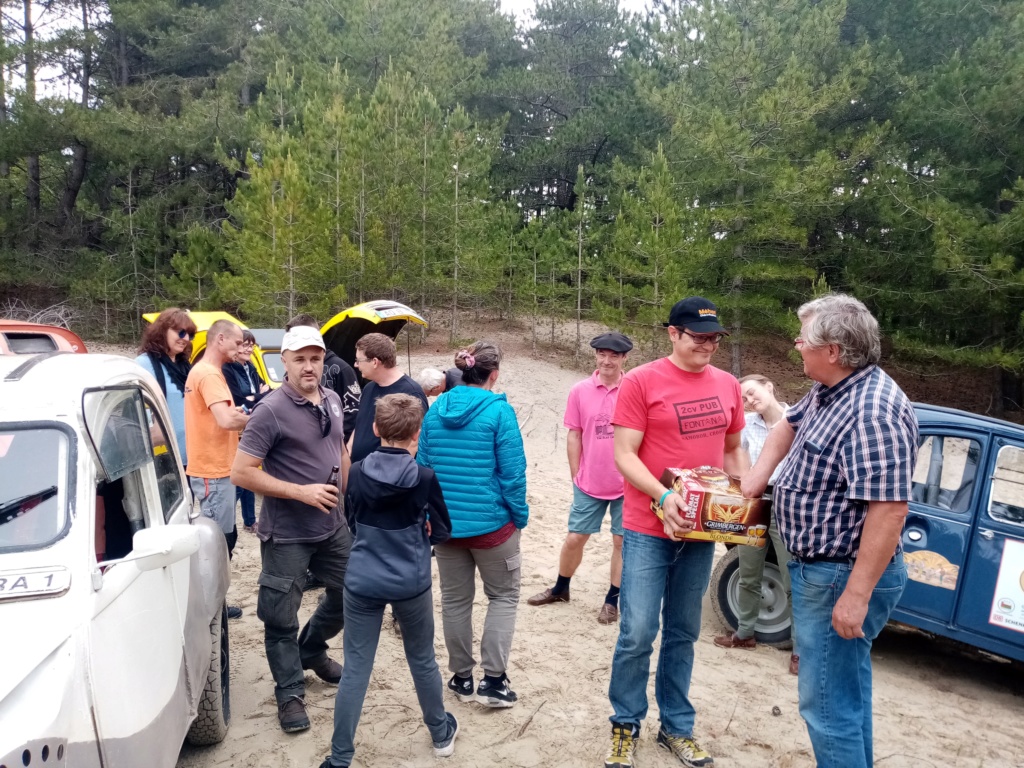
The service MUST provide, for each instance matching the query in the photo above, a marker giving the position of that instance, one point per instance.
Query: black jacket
(387, 503)
(339, 376)
(238, 383)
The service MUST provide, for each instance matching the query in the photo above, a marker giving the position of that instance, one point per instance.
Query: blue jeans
(248, 499)
(835, 674)
(362, 632)
(663, 584)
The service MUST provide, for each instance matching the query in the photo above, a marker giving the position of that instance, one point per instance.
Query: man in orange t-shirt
(212, 424)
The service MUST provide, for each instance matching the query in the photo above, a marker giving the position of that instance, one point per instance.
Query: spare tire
(774, 623)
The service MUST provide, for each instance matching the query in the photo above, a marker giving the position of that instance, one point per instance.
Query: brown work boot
(546, 597)
(732, 640)
(794, 664)
(292, 715)
(609, 614)
(327, 670)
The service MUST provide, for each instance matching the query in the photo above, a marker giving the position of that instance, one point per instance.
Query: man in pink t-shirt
(596, 483)
(678, 411)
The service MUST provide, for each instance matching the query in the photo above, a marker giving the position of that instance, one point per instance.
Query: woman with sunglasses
(165, 352)
(471, 439)
(247, 388)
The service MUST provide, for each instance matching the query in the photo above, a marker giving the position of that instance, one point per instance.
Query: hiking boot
(446, 747)
(292, 715)
(327, 764)
(234, 612)
(686, 749)
(624, 739)
(327, 670)
(496, 692)
(547, 597)
(609, 614)
(462, 687)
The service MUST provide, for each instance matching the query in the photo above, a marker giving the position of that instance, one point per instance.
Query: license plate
(34, 582)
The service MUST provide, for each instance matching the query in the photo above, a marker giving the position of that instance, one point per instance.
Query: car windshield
(33, 481)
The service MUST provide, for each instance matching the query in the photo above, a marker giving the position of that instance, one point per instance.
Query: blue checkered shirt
(855, 442)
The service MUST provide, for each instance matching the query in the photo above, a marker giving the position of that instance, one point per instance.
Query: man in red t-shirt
(678, 411)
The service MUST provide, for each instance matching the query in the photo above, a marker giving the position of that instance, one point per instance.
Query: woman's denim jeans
(663, 584)
(835, 674)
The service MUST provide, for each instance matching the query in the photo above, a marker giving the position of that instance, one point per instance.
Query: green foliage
(268, 158)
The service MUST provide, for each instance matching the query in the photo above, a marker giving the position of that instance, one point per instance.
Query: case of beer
(712, 500)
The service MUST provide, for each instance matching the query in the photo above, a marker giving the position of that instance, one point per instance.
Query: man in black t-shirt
(376, 358)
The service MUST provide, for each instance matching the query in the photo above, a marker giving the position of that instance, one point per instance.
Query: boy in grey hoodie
(395, 510)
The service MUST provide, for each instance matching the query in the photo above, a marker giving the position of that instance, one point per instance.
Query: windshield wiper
(15, 508)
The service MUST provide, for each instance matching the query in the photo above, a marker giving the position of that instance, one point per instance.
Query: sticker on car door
(1008, 600)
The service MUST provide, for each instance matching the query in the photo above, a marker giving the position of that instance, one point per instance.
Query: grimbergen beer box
(712, 500)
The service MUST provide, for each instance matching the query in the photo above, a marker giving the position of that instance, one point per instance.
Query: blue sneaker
(446, 747)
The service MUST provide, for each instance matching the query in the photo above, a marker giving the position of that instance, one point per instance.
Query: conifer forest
(274, 156)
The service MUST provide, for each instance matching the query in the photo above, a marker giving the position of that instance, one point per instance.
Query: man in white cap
(296, 434)
(596, 482)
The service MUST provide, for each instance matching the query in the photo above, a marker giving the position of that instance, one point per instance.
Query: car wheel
(214, 707)
(774, 623)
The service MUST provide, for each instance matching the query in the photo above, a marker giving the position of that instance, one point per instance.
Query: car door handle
(986, 534)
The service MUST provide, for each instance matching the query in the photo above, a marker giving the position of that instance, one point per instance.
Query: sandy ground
(933, 706)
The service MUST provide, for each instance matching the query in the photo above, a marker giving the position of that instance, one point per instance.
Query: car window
(1007, 501)
(275, 368)
(165, 463)
(29, 343)
(35, 479)
(945, 473)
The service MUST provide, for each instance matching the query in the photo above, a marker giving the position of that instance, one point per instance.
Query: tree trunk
(80, 154)
(32, 183)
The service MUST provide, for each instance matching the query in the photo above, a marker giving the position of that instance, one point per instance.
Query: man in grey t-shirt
(296, 434)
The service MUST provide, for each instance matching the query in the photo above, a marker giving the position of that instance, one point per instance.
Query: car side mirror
(154, 548)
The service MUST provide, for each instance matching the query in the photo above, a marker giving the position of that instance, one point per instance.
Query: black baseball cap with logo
(695, 314)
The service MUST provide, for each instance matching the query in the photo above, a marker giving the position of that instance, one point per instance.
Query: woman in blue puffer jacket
(471, 439)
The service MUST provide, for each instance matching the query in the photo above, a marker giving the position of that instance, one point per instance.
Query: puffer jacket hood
(461, 405)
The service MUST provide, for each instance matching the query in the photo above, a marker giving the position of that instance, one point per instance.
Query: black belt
(846, 559)
(842, 559)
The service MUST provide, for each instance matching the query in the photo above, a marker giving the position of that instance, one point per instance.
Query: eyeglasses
(248, 343)
(324, 418)
(365, 360)
(183, 334)
(703, 338)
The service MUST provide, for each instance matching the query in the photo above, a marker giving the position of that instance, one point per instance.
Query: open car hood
(382, 316)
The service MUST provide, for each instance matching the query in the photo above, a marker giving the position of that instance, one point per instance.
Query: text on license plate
(34, 582)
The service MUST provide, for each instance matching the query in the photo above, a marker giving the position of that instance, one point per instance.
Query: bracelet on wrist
(661, 501)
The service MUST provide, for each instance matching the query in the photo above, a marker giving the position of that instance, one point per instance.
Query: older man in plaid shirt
(848, 450)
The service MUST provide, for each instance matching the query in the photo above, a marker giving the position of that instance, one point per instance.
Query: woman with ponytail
(471, 439)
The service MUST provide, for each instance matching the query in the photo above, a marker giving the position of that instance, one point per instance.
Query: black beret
(616, 342)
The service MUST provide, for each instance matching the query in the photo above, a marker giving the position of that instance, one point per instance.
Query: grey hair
(429, 378)
(844, 321)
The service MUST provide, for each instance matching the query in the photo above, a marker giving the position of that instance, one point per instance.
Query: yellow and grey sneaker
(624, 739)
(686, 749)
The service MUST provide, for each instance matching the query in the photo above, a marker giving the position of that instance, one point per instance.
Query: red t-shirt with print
(684, 417)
